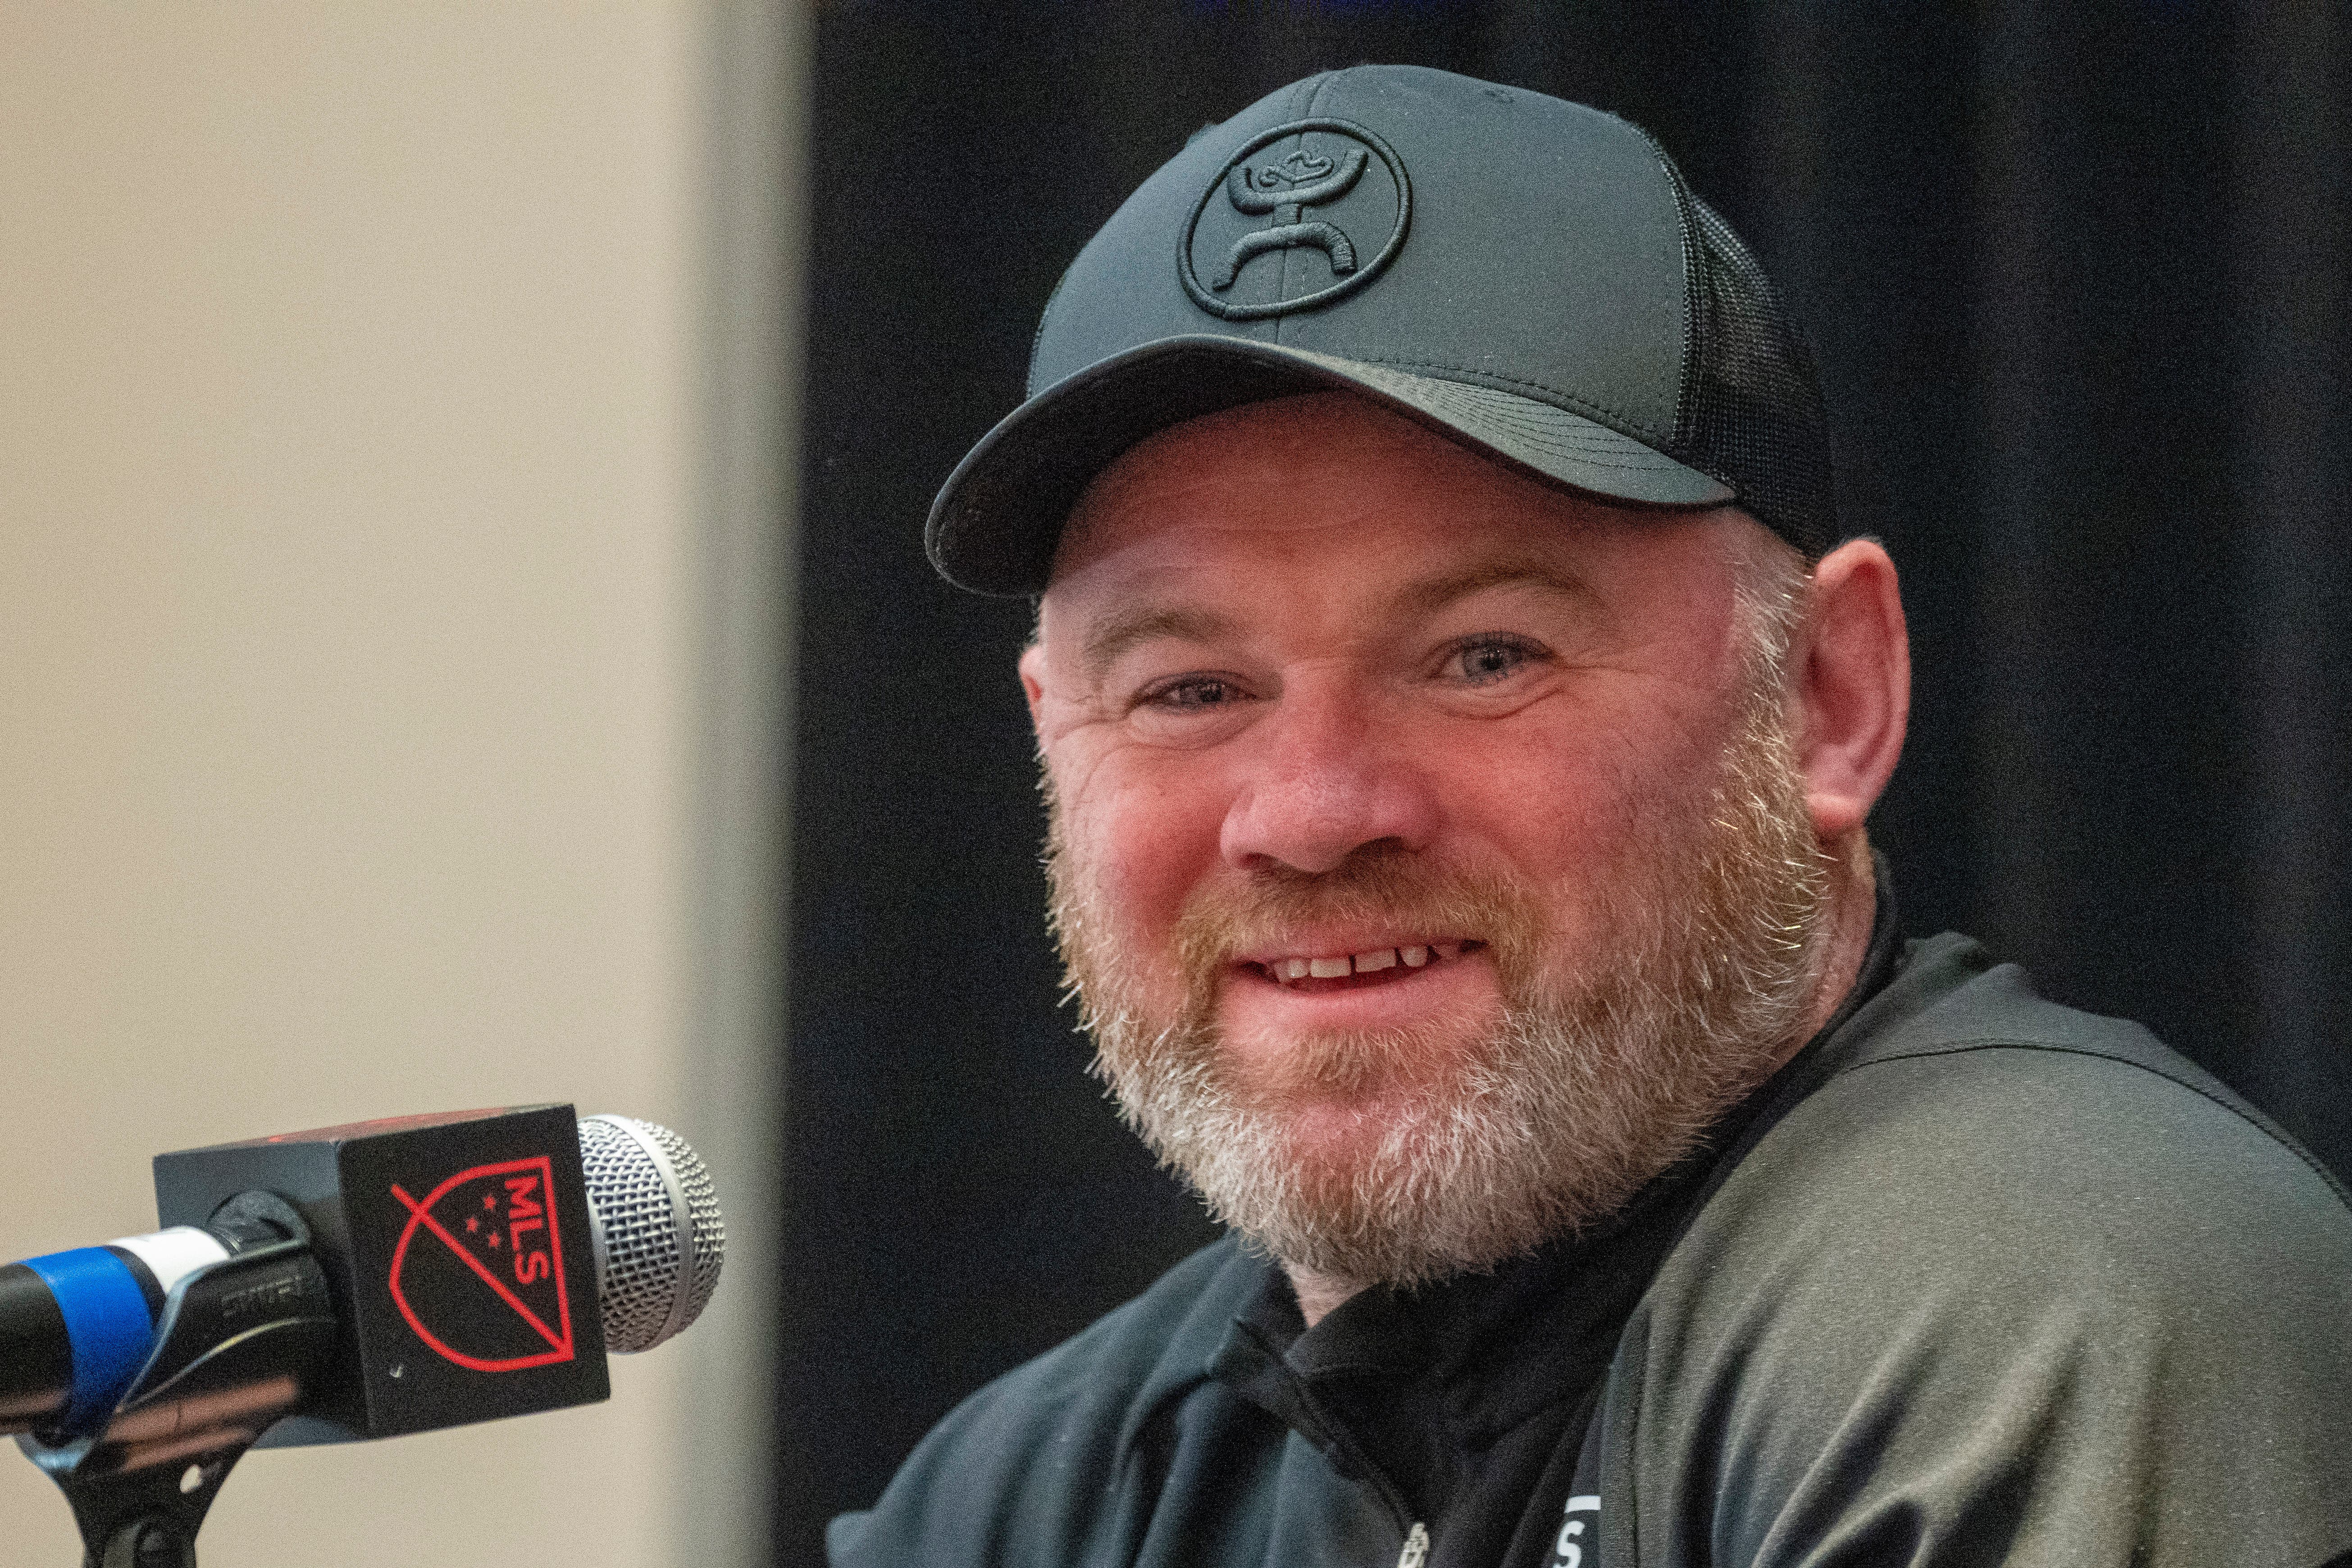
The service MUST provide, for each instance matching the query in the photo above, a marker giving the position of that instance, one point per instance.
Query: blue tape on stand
(108, 1326)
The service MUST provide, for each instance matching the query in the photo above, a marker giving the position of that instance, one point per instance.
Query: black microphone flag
(457, 1253)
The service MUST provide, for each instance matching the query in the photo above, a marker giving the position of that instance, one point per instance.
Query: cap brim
(996, 521)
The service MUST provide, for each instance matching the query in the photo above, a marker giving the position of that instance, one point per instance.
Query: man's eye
(1190, 693)
(1485, 660)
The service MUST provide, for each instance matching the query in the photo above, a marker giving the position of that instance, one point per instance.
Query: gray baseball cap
(1529, 277)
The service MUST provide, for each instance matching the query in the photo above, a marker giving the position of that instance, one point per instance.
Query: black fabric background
(2077, 275)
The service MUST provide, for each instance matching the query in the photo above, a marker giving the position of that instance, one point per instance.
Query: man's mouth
(1348, 971)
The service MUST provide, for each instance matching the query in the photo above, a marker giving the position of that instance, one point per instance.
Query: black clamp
(237, 1343)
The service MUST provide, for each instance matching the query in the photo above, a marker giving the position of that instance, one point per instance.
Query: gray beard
(1585, 1089)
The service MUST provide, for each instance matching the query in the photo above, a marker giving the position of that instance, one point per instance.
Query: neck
(1317, 1293)
(1853, 908)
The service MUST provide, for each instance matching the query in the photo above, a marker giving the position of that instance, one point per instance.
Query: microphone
(347, 1283)
(76, 1326)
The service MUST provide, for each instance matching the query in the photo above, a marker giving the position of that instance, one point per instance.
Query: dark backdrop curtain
(2077, 275)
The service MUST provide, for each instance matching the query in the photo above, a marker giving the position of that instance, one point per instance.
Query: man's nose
(1326, 778)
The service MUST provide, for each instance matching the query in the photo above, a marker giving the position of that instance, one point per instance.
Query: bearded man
(1459, 734)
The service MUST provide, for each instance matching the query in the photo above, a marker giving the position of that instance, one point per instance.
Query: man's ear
(1033, 671)
(1854, 686)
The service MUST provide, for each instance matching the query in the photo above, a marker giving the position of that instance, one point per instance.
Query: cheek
(1550, 813)
(1570, 803)
(1150, 834)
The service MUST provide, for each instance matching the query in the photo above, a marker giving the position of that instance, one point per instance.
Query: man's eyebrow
(1114, 636)
(1437, 593)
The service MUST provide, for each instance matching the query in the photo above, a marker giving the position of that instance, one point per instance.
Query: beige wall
(371, 552)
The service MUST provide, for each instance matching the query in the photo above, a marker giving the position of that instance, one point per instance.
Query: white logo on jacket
(1569, 1549)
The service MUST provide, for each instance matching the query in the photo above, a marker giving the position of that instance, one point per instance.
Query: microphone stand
(236, 1345)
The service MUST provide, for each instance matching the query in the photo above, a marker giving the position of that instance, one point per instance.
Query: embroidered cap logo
(1286, 188)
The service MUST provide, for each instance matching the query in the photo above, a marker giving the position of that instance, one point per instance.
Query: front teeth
(1290, 968)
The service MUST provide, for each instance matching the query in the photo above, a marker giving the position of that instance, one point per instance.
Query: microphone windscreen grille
(652, 1287)
(708, 1245)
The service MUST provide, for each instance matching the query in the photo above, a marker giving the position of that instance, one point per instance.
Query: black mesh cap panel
(1753, 414)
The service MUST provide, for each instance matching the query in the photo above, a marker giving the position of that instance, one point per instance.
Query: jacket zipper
(1416, 1532)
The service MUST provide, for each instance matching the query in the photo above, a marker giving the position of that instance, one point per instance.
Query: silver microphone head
(654, 1216)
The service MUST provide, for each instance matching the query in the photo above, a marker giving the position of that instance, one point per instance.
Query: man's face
(1426, 853)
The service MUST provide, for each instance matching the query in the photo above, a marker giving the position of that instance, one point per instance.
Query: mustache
(1224, 920)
